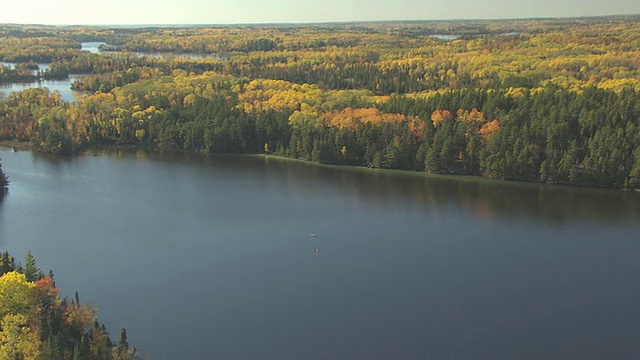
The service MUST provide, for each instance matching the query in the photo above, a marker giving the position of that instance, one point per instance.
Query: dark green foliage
(7, 263)
(31, 271)
(4, 181)
(122, 343)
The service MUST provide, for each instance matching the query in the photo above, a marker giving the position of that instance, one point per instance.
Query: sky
(139, 12)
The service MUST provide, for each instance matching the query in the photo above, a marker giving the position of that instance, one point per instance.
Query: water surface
(61, 86)
(211, 257)
(94, 47)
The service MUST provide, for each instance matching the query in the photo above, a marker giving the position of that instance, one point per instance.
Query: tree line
(553, 135)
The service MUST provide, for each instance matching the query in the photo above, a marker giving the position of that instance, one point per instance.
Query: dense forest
(554, 101)
(35, 323)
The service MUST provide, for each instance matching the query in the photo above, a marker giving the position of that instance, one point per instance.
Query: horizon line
(328, 22)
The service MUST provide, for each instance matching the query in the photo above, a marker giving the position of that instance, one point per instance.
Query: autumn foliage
(35, 323)
(440, 116)
(551, 100)
(351, 118)
(489, 128)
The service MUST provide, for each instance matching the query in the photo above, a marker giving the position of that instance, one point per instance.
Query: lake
(212, 257)
(446, 37)
(61, 86)
(94, 47)
(64, 86)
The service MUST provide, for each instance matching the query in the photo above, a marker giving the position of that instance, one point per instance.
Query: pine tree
(123, 345)
(31, 271)
(7, 263)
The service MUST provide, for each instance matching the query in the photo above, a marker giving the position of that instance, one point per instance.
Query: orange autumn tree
(440, 116)
(489, 128)
(350, 118)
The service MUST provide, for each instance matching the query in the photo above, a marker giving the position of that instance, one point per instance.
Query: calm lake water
(94, 47)
(61, 86)
(205, 257)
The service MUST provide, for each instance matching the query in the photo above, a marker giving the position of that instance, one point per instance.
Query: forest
(553, 101)
(35, 323)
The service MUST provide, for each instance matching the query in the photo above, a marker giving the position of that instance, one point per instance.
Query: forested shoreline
(553, 101)
(36, 323)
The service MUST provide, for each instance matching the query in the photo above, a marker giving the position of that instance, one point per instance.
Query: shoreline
(16, 145)
(26, 146)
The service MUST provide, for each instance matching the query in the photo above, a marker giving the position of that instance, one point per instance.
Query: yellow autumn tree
(16, 294)
(351, 118)
(470, 116)
(17, 340)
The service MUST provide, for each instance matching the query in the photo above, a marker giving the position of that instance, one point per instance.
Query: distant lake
(61, 86)
(11, 65)
(445, 37)
(94, 47)
(203, 257)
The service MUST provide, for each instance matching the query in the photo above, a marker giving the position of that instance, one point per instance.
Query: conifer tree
(4, 181)
(31, 270)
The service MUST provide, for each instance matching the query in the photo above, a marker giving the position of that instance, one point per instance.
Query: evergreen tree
(122, 343)
(4, 181)
(31, 271)
(7, 263)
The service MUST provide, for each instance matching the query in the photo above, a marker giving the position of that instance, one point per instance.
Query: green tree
(7, 263)
(4, 181)
(122, 343)
(31, 270)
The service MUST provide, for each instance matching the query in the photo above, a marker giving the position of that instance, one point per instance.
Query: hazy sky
(265, 11)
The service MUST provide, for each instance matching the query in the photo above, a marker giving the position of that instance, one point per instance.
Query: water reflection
(483, 199)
